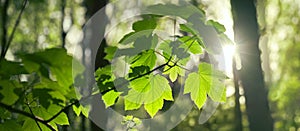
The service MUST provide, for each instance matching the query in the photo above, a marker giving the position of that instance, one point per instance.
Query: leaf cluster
(141, 74)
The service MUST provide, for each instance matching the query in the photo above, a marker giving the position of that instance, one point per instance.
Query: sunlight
(229, 51)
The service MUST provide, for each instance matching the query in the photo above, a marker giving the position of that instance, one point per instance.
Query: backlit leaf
(110, 97)
(206, 82)
(173, 71)
(150, 91)
(219, 27)
(198, 84)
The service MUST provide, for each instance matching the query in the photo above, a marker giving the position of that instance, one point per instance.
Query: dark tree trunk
(251, 76)
(237, 108)
(63, 33)
(92, 7)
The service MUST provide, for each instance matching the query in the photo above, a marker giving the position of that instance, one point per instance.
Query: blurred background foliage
(282, 24)
(58, 23)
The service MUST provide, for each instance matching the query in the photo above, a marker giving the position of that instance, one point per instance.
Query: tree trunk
(237, 107)
(92, 7)
(247, 38)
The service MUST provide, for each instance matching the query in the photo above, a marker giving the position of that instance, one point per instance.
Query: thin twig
(37, 123)
(28, 103)
(178, 63)
(14, 30)
(4, 28)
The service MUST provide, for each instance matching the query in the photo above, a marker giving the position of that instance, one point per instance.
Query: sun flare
(229, 51)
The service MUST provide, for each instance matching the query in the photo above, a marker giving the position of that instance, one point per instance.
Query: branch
(147, 73)
(32, 113)
(4, 28)
(139, 76)
(5, 48)
(62, 110)
(11, 109)
(176, 63)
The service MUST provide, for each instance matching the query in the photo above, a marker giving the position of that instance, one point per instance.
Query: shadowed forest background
(39, 38)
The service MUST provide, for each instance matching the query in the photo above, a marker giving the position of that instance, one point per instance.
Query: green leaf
(131, 105)
(9, 68)
(77, 110)
(10, 125)
(103, 71)
(104, 77)
(219, 27)
(62, 119)
(110, 52)
(173, 71)
(217, 91)
(141, 43)
(196, 90)
(128, 118)
(5, 114)
(154, 107)
(150, 91)
(166, 49)
(56, 61)
(44, 97)
(30, 125)
(85, 110)
(110, 97)
(46, 83)
(8, 88)
(177, 50)
(182, 10)
(81, 109)
(138, 70)
(224, 96)
(137, 121)
(188, 28)
(145, 24)
(191, 44)
(146, 58)
(198, 84)
(154, 41)
(206, 81)
(132, 36)
(45, 114)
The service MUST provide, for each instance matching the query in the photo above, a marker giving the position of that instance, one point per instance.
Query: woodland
(180, 65)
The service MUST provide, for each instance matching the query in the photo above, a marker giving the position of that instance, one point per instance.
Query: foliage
(285, 54)
(38, 85)
(152, 63)
(131, 122)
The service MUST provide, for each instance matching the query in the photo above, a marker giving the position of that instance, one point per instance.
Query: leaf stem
(37, 123)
